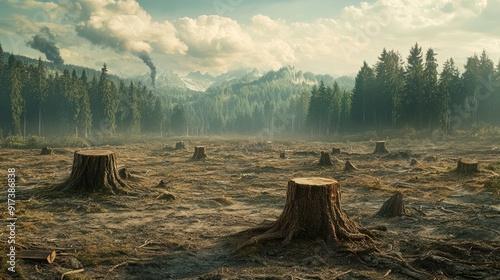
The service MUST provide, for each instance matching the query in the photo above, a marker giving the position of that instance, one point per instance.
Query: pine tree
(485, 88)
(85, 120)
(40, 91)
(4, 97)
(449, 87)
(431, 105)
(468, 105)
(414, 98)
(362, 98)
(110, 98)
(15, 71)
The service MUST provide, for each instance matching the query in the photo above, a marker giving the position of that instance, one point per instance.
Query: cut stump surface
(312, 210)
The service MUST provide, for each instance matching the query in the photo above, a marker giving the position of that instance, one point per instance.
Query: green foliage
(14, 141)
(73, 141)
(35, 142)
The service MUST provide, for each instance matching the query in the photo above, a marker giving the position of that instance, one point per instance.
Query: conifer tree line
(38, 101)
(394, 94)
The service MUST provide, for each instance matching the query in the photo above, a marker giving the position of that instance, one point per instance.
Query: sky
(216, 36)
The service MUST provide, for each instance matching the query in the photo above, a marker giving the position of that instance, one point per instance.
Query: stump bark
(199, 152)
(325, 159)
(94, 171)
(180, 146)
(380, 148)
(312, 210)
(335, 151)
(47, 151)
(393, 207)
(466, 165)
(349, 167)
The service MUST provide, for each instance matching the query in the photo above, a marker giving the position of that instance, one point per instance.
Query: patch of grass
(495, 166)
(223, 200)
(104, 254)
(493, 185)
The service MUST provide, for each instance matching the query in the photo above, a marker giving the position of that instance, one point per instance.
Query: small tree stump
(312, 210)
(325, 159)
(335, 151)
(47, 151)
(413, 162)
(199, 152)
(380, 148)
(393, 207)
(124, 174)
(180, 146)
(94, 171)
(349, 167)
(466, 165)
(282, 155)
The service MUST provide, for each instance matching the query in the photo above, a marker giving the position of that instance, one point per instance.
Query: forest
(42, 101)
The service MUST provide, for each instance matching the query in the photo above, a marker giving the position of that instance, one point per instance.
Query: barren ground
(186, 229)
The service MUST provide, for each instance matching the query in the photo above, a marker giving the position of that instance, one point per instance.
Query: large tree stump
(94, 171)
(466, 165)
(312, 210)
(380, 148)
(393, 207)
(325, 159)
(199, 152)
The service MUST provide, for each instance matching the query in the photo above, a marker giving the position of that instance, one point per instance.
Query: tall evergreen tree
(485, 88)
(414, 99)
(467, 101)
(431, 104)
(40, 91)
(15, 71)
(449, 87)
(362, 98)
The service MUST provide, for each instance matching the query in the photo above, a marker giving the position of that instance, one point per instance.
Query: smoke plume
(147, 60)
(45, 42)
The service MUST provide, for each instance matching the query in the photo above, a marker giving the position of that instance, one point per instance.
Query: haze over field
(331, 37)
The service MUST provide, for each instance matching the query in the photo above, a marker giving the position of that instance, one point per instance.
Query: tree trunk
(325, 159)
(393, 207)
(380, 148)
(312, 210)
(94, 171)
(465, 165)
(199, 152)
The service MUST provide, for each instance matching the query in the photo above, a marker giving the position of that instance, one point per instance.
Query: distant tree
(414, 99)
(449, 87)
(485, 88)
(40, 91)
(15, 71)
(85, 118)
(110, 98)
(4, 97)
(468, 102)
(178, 120)
(431, 106)
(389, 81)
(362, 97)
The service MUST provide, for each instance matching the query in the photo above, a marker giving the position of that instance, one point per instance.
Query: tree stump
(380, 148)
(325, 159)
(94, 171)
(199, 152)
(47, 151)
(312, 210)
(282, 155)
(335, 151)
(349, 167)
(466, 165)
(393, 207)
(180, 146)
(413, 162)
